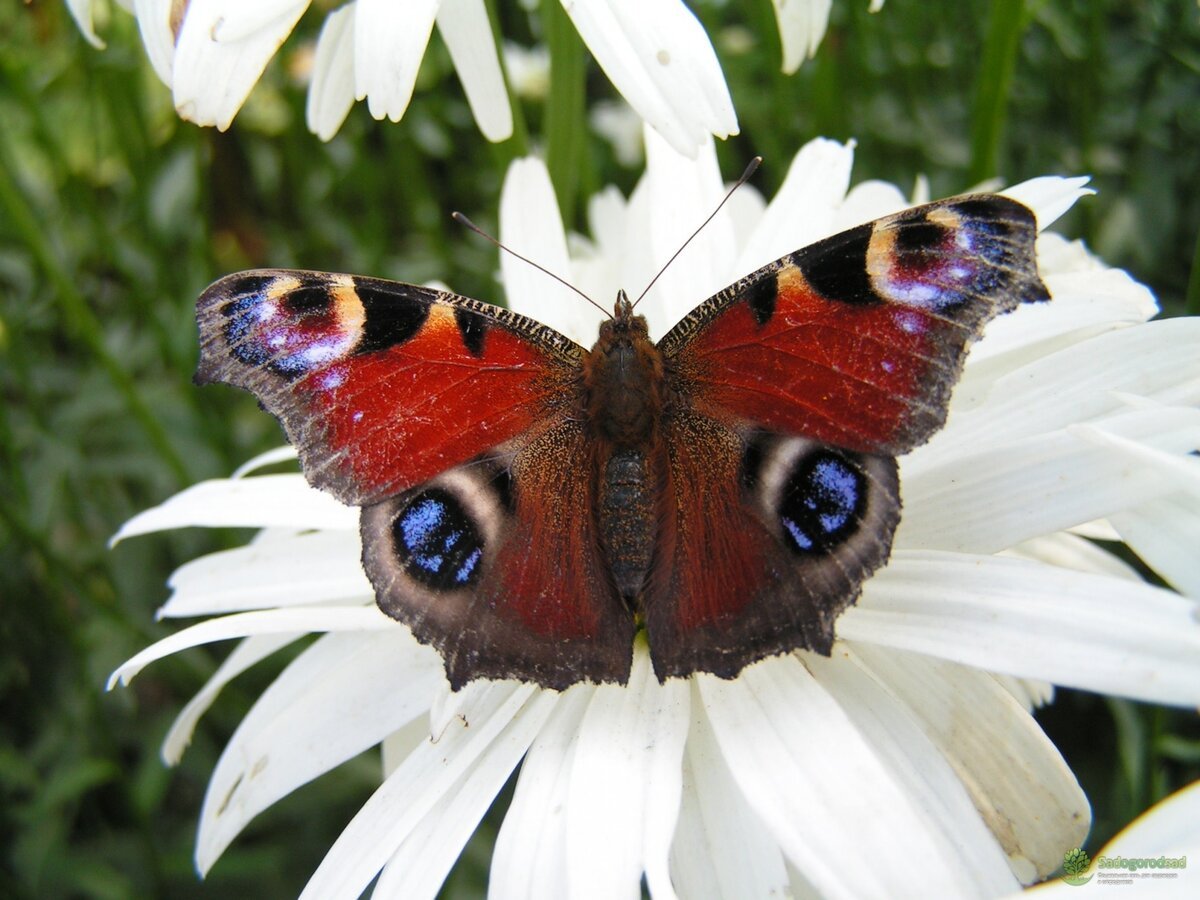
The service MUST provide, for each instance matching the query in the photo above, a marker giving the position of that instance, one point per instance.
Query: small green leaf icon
(1075, 863)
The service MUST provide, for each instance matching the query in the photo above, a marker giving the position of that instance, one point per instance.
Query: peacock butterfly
(528, 505)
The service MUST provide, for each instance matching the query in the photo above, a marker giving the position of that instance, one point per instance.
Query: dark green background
(114, 215)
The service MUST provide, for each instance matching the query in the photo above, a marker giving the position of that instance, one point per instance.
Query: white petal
(81, 11)
(866, 201)
(531, 224)
(1049, 196)
(1016, 778)
(312, 567)
(631, 736)
(464, 26)
(1086, 631)
(986, 501)
(681, 194)
(159, 22)
(802, 24)
(342, 695)
(222, 49)
(659, 57)
(530, 858)
(389, 42)
(890, 728)
(805, 208)
(331, 93)
(512, 715)
(424, 859)
(1070, 551)
(272, 621)
(263, 460)
(722, 850)
(244, 655)
(260, 502)
(821, 789)
(1166, 533)
(1156, 361)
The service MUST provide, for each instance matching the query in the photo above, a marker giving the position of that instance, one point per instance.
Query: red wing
(497, 564)
(379, 384)
(764, 540)
(857, 341)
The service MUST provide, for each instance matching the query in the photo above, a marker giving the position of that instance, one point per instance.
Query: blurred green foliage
(114, 215)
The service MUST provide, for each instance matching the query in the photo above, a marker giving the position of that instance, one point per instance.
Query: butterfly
(529, 506)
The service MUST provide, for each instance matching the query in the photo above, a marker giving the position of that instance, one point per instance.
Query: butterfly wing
(857, 340)
(799, 385)
(453, 424)
(381, 385)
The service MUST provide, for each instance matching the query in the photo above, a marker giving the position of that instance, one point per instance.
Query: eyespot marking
(436, 542)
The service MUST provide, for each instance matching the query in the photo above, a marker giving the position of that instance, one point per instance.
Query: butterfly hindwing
(857, 340)
(380, 385)
(496, 563)
(767, 539)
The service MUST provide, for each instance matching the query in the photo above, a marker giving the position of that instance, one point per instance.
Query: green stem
(77, 312)
(1005, 24)
(565, 124)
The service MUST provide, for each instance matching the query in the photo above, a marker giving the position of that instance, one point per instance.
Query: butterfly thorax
(623, 381)
(623, 396)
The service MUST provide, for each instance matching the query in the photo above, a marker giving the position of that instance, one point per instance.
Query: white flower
(212, 52)
(908, 761)
(802, 25)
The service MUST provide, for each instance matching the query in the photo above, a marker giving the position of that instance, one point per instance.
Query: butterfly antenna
(463, 220)
(750, 170)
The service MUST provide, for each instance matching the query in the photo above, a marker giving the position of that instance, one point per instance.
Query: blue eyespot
(436, 542)
(823, 501)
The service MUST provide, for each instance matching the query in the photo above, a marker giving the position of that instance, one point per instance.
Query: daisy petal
(325, 708)
(805, 208)
(1049, 196)
(630, 735)
(681, 193)
(421, 864)
(1015, 776)
(531, 224)
(802, 25)
(917, 766)
(223, 47)
(81, 11)
(529, 859)
(260, 502)
(389, 41)
(659, 57)
(273, 621)
(986, 501)
(509, 717)
(331, 92)
(1165, 533)
(311, 567)
(464, 26)
(265, 459)
(159, 22)
(1156, 361)
(244, 655)
(802, 764)
(1005, 615)
(722, 850)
